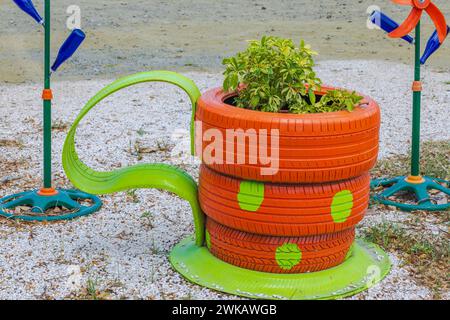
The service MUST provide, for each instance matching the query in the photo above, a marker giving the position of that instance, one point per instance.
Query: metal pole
(417, 96)
(47, 130)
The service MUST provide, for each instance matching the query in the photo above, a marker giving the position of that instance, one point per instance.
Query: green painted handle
(158, 176)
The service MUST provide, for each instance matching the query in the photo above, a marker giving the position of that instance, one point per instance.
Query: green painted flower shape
(251, 195)
(342, 205)
(288, 256)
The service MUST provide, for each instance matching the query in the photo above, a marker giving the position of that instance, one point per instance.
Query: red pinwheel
(414, 17)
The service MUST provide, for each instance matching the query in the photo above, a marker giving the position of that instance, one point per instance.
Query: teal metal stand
(416, 184)
(47, 102)
(47, 198)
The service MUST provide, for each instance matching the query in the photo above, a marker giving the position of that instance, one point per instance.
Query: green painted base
(366, 266)
(420, 191)
(41, 204)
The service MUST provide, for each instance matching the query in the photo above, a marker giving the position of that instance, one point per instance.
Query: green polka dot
(342, 206)
(208, 240)
(251, 195)
(288, 256)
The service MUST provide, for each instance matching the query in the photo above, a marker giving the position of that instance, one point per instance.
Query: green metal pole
(47, 103)
(417, 97)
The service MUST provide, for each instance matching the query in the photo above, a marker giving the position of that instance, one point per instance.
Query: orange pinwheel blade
(409, 24)
(439, 21)
(404, 2)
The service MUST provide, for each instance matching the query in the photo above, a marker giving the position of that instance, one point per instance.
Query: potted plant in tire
(314, 133)
(302, 243)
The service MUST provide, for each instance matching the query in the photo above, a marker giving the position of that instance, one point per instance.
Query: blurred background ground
(132, 36)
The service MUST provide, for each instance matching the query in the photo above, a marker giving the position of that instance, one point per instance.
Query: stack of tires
(302, 218)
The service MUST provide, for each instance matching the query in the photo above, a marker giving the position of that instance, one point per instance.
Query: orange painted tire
(283, 209)
(278, 254)
(312, 148)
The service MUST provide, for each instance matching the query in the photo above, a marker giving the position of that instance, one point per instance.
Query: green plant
(92, 289)
(141, 132)
(132, 195)
(147, 214)
(337, 100)
(273, 75)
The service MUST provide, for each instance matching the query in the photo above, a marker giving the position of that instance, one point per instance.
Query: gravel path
(123, 249)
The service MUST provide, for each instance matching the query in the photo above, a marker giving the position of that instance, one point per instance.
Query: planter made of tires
(283, 209)
(278, 254)
(313, 148)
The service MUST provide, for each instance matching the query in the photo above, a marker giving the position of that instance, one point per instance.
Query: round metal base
(40, 204)
(365, 266)
(419, 190)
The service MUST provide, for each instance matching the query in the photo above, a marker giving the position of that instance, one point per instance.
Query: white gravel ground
(123, 249)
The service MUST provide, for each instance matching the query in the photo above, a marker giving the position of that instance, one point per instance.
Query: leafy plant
(273, 75)
(338, 99)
